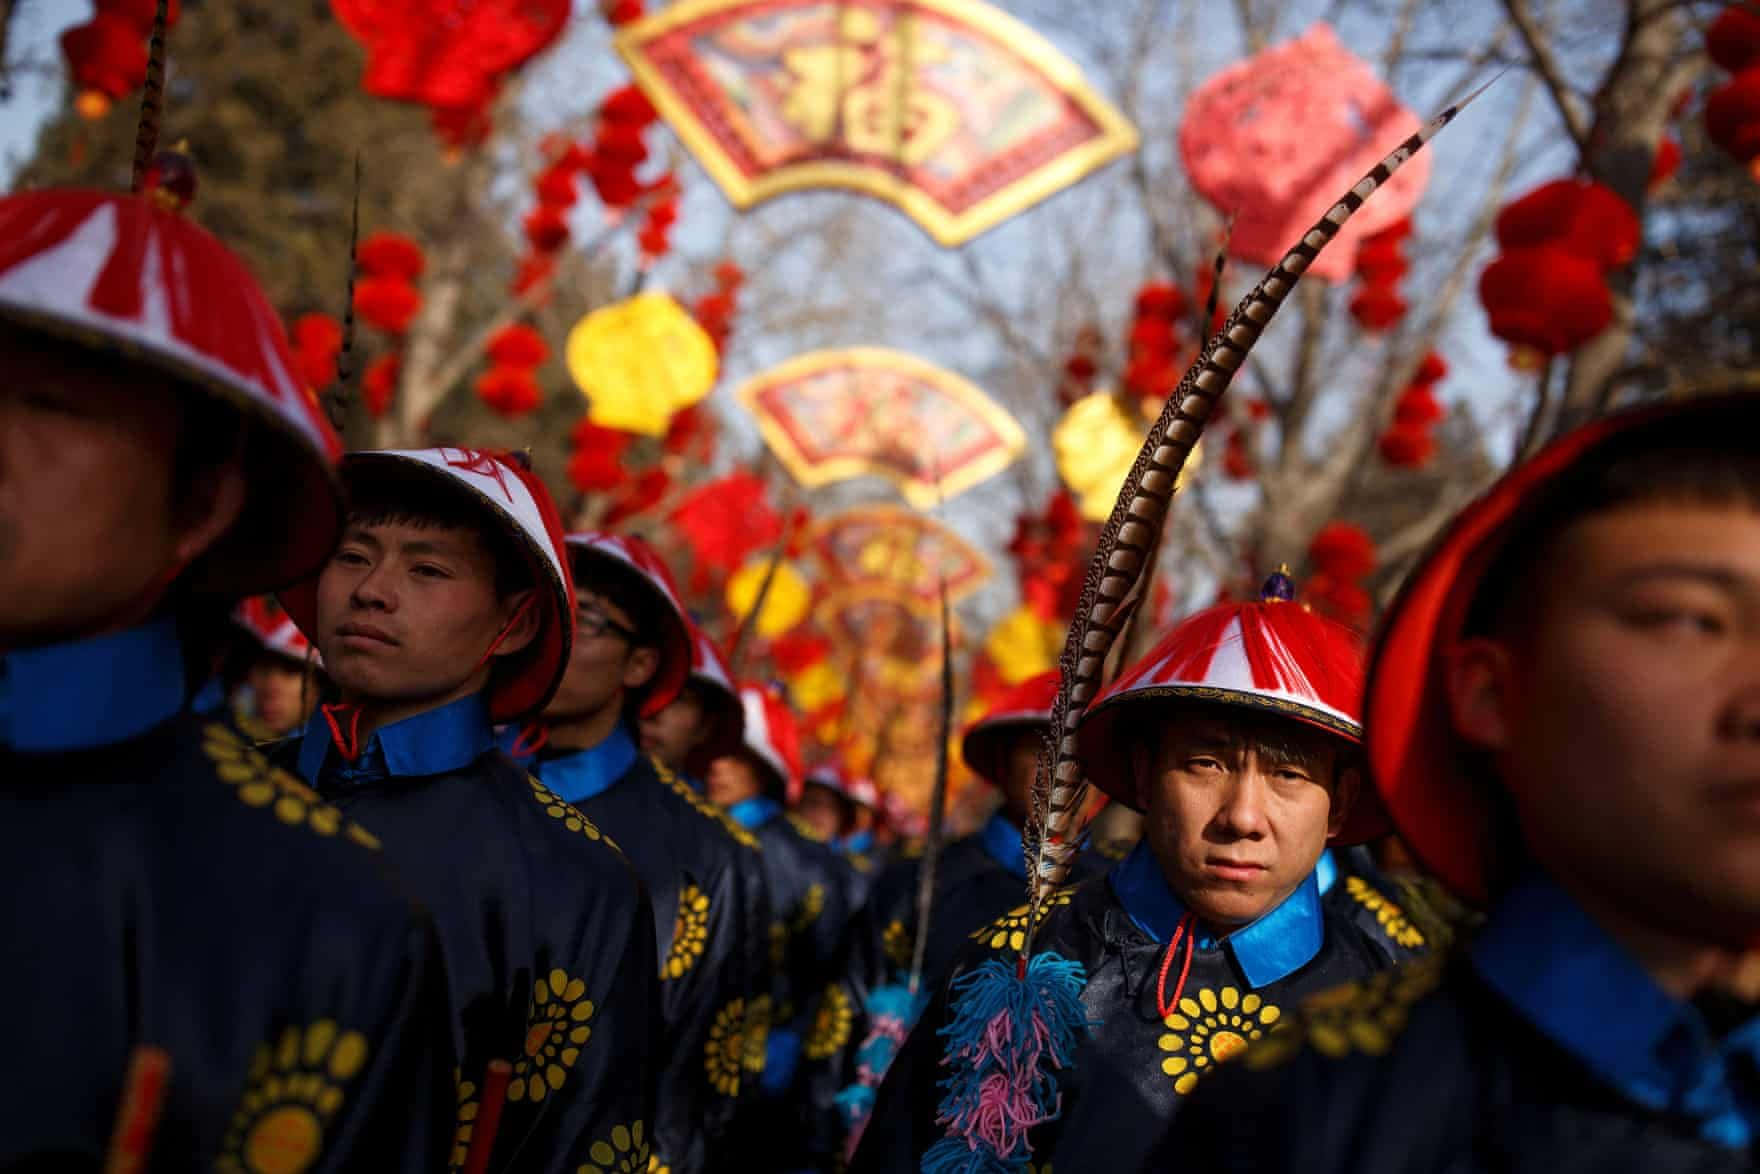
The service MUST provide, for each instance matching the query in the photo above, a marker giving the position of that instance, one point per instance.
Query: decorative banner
(950, 110)
(895, 546)
(832, 415)
(1271, 139)
(877, 621)
(639, 362)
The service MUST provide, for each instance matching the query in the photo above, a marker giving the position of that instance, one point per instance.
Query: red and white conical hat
(722, 709)
(265, 619)
(636, 558)
(857, 790)
(518, 500)
(128, 276)
(1271, 656)
(1028, 704)
(773, 736)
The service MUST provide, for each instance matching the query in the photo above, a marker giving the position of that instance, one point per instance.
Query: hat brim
(674, 639)
(984, 746)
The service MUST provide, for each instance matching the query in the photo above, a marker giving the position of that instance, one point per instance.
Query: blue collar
(581, 774)
(1279, 943)
(858, 843)
(93, 692)
(1002, 843)
(1326, 871)
(1567, 977)
(755, 812)
(433, 742)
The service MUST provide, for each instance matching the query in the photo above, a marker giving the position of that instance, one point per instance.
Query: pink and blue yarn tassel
(1011, 1027)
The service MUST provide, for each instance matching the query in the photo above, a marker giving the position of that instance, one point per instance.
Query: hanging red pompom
(555, 187)
(1732, 116)
(621, 144)
(1418, 406)
(390, 254)
(1545, 298)
(1151, 376)
(1576, 215)
(108, 60)
(1161, 299)
(511, 391)
(379, 384)
(726, 520)
(1237, 464)
(1733, 40)
(1665, 164)
(1433, 369)
(387, 303)
(729, 276)
(638, 496)
(546, 229)
(616, 185)
(532, 270)
(1080, 367)
(1381, 261)
(317, 340)
(1153, 335)
(654, 242)
(519, 346)
(1377, 307)
(597, 461)
(686, 428)
(139, 14)
(1342, 551)
(629, 106)
(1407, 446)
(1345, 603)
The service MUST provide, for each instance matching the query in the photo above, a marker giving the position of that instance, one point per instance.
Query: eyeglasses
(591, 622)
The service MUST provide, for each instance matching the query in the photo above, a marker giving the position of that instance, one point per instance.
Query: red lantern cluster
(1409, 442)
(510, 385)
(637, 496)
(1381, 266)
(655, 237)
(385, 295)
(107, 55)
(1546, 294)
(1342, 556)
(1732, 112)
(714, 310)
(1048, 549)
(317, 340)
(691, 434)
(379, 384)
(726, 521)
(596, 464)
(1157, 343)
(453, 66)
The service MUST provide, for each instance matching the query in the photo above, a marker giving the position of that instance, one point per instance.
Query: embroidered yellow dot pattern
(896, 943)
(559, 809)
(685, 791)
(558, 1027)
(1211, 1026)
(831, 1024)
(625, 1151)
(259, 783)
(690, 933)
(757, 1034)
(292, 1091)
(1364, 1016)
(807, 830)
(1391, 917)
(466, 1119)
(724, 1054)
(1010, 930)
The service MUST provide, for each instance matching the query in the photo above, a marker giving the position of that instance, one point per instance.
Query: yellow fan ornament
(639, 362)
(785, 605)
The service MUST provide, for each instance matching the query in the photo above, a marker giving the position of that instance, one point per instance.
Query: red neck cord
(1185, 933)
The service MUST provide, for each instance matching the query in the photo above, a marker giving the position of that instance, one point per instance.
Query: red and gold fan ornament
(1271, 656)
(1026, 707)
(637, 562)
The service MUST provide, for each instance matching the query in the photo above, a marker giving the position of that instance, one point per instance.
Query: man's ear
(1344, 794)
(640, 666)
(1479, 692)
(520, 617)
(213, 504)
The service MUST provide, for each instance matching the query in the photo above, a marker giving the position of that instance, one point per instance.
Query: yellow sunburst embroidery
(757, 1034)
(725, 1052)
(831, 1024)
(1361, 1016)
(466, 1119)
(1210, 1027)
(624, 1152)
(684, 790)
(1010, 929)
(260, 783)
(557, 808)
(291, 1093)
(812, 904)
(690, 933)
(558, 1027)
(1391, 917)
(656, 1166)
(895, 941)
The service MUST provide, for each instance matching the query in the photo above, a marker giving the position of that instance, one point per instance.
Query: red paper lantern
(638, 496)
(1545, 298)
(555, 186)
(729, 276)
(1407, 446)
(1665, 164)
(387, 303)
(139, 14)
(1343, 551)
(597, 461)
(1347, 603)
(1577, 215)
(532, 270)
(1152, 334)
(379, 384)
(390, 254)
(1161, 299)
(108, 60)
(1377, 307)
(518, 346)
(621, 12)
(686, 429)
(317, 339)
(1080, 368)
(1418, 406)
(1733, 40)
(1237, 464)
(511, 391)
(1732, 116)
(620, 143)
(629, 106)
(1433, 369)
(1381, 261)
(546, 229)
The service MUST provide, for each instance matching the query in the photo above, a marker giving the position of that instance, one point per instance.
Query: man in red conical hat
(282, 675)
(447, 609)
(704, 722)
(189, 927)
(1563, 722)
(1237, 737)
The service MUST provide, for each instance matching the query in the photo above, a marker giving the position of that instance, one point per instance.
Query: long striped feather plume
(146, 135)
(1110, 590)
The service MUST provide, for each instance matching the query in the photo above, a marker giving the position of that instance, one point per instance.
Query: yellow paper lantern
(1022, 645)
(785, 605)
(1096, 444)
(639, 362)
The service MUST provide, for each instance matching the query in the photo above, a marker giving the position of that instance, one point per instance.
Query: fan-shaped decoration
(832, 415)
(880, 621)
(1096, 443)
(639, 361)
(1271, 141)
(950, 110)
(893, 545)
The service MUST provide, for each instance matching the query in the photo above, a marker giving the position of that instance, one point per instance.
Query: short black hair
(385, 492)
(1706, 456)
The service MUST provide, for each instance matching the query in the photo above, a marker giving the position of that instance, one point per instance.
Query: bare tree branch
(1546, 65)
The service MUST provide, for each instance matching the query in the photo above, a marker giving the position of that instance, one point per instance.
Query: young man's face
(605, 661)
(1019, 770)
(733, 779)
(1235, 825)
(406, 614)
(822, 808)
(675, 731)
(1623, 714)
(89, 524)
(279, 694)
